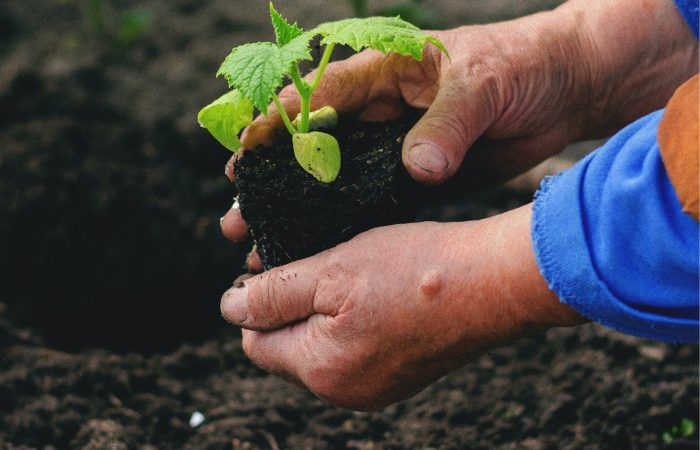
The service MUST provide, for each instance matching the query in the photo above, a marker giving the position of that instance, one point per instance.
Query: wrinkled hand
(376, 319)
(486, 89)
(528, 87)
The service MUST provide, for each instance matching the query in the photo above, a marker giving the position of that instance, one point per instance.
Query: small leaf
(386, 34)
(225, 117)
(296, 50)
(255, 70)
(687, 427)
(258, 69)
(666, 437)
(319, 154)
(284, 32)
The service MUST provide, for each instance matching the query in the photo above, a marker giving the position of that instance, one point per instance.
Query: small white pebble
(653, 352)
(196, 419)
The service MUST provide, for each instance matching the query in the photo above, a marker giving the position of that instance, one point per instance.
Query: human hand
(528, 87)
(376, 319)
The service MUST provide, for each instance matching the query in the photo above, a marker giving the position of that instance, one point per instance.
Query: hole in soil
(109, 234)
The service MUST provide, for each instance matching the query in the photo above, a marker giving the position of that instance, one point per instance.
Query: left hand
(376, 319)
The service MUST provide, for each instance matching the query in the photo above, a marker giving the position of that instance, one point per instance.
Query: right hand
(528, 86)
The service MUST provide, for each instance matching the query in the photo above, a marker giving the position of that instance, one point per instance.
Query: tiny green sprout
(255, 71)
(685, 429)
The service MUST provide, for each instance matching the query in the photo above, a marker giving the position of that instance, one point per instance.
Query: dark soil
(112, 264)
(291, 215)
(572, 389)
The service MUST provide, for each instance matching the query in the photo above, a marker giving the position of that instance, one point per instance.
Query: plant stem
(305, 113)
(306, 90)
(321, 67)
(301, 85)
(305, 94)
(283, 114)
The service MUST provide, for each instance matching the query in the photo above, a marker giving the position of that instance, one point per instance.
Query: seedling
(685, 429)
(255, 71)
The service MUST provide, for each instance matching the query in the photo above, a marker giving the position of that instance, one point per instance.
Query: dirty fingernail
(428, 157)
(234, 304)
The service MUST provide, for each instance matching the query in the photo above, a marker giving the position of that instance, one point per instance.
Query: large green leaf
(225, 117)
(386, 34)
(319, 154)
(258, 69)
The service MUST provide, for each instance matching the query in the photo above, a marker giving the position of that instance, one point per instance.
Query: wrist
(522, 290)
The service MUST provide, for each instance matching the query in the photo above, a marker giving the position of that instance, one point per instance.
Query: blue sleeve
(689, 11)
(612, 241)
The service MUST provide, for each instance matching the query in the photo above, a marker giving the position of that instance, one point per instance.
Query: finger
(266, 130)
(228, 170)
(241, 278)
(351, 84)
(276, 298)
(492, 163)
(435, 147)
(348, 86)
(253, 262)
(279, 352)
(233, 226)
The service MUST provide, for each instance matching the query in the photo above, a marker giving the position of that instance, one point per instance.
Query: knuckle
(264, 303)
(447, 123)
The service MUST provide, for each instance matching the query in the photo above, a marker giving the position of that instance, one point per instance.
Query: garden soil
(112, 264)
(293, 216)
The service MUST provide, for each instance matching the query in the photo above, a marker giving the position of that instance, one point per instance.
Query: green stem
(305, 113)
(301, 85)
(321, 67)
(305, 94)
(283, 114)
(306, 90)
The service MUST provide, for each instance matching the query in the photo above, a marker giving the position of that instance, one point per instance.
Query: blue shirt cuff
(586, 258)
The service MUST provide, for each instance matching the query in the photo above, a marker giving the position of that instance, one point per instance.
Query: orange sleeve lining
(679, 144)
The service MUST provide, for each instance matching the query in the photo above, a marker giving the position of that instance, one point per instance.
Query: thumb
(435, 147)
(273, 299)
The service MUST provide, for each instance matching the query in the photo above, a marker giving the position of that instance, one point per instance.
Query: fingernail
(221, 220)
(428, 157)
(234, 304)
(236, 204)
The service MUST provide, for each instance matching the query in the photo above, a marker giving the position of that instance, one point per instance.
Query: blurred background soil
(112, 263)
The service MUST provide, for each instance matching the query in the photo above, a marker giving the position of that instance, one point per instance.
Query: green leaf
(255, 70)
(687, 427)
(258, 69)
(319, 154)
(225, 117)
(296, 50)
(666, 437)
(386, 34)
(284, 32)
